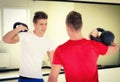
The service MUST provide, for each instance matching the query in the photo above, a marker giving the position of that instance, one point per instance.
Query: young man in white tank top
(34, 46)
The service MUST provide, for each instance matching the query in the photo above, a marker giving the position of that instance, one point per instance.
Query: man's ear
(68, 27)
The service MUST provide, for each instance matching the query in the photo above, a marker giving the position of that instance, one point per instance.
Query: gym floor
(105, 75)
(4, 76)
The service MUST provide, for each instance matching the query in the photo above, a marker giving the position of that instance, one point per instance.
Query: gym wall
(94, 15)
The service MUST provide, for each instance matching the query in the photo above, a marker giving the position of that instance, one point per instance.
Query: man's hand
(50, 55)
(94, 33)
(20, 28)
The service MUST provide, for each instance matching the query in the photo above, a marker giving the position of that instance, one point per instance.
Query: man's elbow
(114, 49)
(117, 48)
(9, 41)
(4, 39)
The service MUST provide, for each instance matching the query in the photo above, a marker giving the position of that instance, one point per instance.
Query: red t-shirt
(79, 59)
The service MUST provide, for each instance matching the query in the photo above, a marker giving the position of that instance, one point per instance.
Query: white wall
(108, 1)
(0, 25)
(56, 22)
(93, 16)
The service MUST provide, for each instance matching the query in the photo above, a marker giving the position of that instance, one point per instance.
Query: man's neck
(38, 34)
(76, 36)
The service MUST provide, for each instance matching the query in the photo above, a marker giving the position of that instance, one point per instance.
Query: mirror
(94, 15)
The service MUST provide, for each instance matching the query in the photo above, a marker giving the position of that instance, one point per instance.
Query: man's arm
(50, 55)
(112, 49)
(12, 37)
(54, 73)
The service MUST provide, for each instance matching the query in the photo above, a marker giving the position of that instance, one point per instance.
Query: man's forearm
(54, 73)
(10, 35)
(52, 79)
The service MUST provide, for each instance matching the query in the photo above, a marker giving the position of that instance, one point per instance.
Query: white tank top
(33, 49)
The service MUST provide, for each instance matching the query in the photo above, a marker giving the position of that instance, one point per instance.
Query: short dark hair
(74, 19)
(39, 15)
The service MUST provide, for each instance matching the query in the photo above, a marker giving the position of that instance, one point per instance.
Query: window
(11, 15)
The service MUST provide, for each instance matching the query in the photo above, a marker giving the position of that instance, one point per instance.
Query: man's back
(79, 57)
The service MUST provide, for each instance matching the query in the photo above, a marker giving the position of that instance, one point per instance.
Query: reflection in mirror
(94, 15)
(0, 25)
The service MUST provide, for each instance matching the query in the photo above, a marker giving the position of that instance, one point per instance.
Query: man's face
(41, 25)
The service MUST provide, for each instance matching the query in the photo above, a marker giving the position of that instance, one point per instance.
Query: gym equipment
(106, 37)
(19, 23)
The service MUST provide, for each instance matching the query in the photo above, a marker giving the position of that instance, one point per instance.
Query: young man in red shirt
(78, 56)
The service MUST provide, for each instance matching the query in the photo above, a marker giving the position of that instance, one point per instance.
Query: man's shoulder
(23, 35)
(63, 45)
(84, 41)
